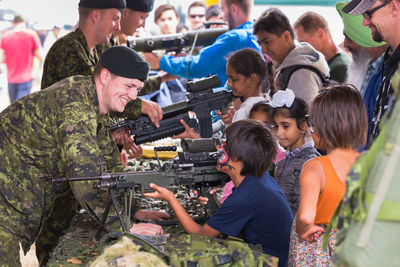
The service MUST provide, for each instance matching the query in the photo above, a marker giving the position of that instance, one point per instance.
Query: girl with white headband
(291, 127)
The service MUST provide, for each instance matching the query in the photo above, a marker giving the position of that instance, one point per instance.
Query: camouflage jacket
(57, 132)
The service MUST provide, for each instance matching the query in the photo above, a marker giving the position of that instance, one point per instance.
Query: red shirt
(19, 47)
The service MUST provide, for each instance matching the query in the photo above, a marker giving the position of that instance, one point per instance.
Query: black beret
(103, 4)
(125, 62)
(140, 5)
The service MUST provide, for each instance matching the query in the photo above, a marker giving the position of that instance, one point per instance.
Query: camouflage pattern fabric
(201, 251)
(68, 56)
(53, 133)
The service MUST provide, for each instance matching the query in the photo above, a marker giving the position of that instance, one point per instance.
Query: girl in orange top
(339, 126)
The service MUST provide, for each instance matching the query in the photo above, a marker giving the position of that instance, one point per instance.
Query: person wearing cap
(77, 53)
(55, 133)
(365, 72)
(383, 18)
(213, 58)
(312, 28)
(133, 17)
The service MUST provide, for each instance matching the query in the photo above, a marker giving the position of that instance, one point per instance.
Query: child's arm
(187, 222)
(311, 177)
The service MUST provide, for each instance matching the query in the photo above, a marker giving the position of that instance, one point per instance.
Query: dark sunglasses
(368, 14)
(197, 15)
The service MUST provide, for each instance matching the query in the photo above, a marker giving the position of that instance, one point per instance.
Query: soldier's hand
(133, 150)
(160, 193)
(142, 215)
(153, 60)
(188, 133)
(122, 136)
(123, 157)
(153, 110)
(147, 229)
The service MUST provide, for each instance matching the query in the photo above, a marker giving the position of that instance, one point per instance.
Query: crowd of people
(303, 112)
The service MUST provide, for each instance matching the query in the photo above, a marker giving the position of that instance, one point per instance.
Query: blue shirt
(372, 89)
(213, 58)
(258, 211)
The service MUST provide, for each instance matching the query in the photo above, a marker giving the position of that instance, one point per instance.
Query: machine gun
(201, 100)
(175, 42)
(194, 168)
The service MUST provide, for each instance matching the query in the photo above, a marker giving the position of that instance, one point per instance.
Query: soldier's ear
(105, 76)
(95, 15)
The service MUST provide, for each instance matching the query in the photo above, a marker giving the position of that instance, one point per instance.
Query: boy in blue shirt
(257, 210)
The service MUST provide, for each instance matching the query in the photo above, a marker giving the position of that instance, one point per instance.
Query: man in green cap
(383, 18)
(56, 133)
(365, 72)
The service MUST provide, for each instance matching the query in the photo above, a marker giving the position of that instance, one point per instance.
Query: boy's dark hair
(297, 111)
(252, 143)
(339, 118)
(247, 61)
(262, 106)
(161, 9)
(273, 22)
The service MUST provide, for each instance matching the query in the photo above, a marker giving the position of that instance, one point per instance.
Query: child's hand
(226, 117)
(160, 193)
(204, 200)
(313, 234)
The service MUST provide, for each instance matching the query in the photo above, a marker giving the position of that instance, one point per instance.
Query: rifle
(201, 100)
(175, 42)
(194, 168)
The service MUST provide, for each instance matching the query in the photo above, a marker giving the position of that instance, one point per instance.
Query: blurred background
(45, 15)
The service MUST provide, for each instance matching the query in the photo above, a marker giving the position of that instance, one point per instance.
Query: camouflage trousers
(9, 249)
(55, 226)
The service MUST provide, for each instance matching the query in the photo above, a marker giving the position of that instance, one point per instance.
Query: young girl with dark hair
(246, 71)
(339, 125)
(290, 127)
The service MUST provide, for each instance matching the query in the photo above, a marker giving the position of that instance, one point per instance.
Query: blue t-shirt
(258, 211)
(213, 58)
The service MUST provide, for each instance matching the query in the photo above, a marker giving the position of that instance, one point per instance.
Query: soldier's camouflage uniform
(69, 56)
(57, 132)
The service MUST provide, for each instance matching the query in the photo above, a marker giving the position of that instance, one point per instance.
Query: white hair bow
(282, 98)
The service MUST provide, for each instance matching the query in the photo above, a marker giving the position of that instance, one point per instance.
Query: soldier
(133, 17)
(57, 133)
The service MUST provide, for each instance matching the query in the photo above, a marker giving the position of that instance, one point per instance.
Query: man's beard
(231, 22)
(376, 35)
(358, 68)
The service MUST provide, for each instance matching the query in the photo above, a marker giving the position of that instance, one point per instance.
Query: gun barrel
(203, 84)
(175, 41)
